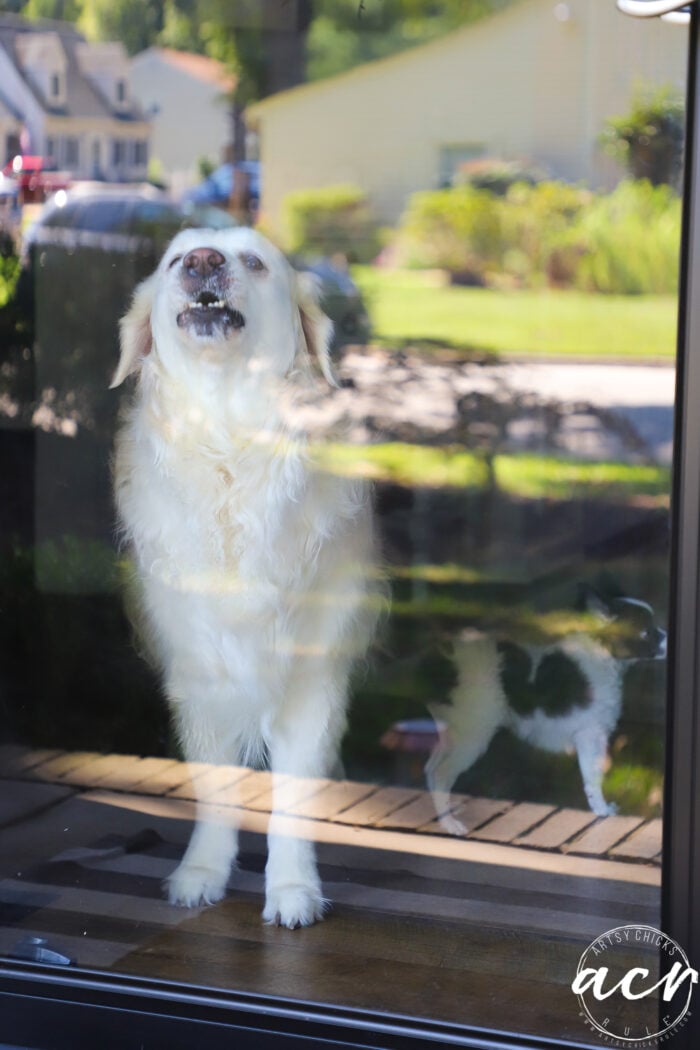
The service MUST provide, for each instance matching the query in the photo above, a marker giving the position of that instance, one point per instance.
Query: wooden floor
(485, 929)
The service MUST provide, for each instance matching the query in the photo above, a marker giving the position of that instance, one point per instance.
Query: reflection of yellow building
(184, 91)
(536, 81)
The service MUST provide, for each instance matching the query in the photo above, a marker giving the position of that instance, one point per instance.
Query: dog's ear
(135, 335)
(592, 601)
(316, 327)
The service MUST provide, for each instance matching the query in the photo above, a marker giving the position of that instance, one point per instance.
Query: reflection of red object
(416, 734)
(36, 177)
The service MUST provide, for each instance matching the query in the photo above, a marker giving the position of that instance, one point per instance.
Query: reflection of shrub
(649, 139)
(484, 234)
(460, 230)
(9, 272)
(629, 240)
(331, 219)
(550, 232)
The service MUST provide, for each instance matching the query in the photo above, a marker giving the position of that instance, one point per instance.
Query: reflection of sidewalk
(615, 411)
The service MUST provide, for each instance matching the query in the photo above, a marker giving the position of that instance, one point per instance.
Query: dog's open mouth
(206, 313)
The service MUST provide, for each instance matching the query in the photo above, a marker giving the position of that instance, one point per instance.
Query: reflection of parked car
(341, 300)
(81, 261)
(139, 221)
(120, 234)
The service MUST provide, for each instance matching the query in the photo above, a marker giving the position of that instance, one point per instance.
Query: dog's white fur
(254, 566)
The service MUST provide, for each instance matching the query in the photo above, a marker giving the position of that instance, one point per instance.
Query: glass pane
(418, 566)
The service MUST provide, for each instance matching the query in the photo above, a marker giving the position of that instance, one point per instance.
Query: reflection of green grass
(542, 477)
(73, 565)
(406, 464)
(526, 476)
(407, 305)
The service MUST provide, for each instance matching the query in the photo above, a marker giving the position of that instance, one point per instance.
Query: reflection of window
(50, 148)
(121, 91)
(71, 152)
(452, 156)
(118, 152)
(64, 217)
(55, 85)
(12, 146)
(140, 153)
(104, 216)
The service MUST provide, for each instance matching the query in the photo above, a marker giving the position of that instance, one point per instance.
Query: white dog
(254, 565)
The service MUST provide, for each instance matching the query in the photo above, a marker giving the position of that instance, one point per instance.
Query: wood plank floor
(485, 929)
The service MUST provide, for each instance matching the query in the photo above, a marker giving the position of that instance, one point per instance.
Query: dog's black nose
(202, 262)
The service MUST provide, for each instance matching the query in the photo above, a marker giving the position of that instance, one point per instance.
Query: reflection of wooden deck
(422, 923)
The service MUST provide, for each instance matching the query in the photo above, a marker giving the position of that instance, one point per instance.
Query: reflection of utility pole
(270, 40)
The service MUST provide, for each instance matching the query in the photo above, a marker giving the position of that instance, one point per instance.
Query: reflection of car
(341, 300)
(217, 188)
(138, 221)
(120, 234)
(81, 260)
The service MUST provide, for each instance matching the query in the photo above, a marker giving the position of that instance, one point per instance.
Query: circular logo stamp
(634, 986)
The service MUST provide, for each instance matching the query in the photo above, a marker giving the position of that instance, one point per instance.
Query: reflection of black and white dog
(560, 697)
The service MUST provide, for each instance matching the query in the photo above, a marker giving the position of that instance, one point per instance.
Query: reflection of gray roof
(83, 97)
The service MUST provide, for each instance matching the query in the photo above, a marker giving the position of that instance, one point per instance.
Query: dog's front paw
(293, 906)
(191, 885)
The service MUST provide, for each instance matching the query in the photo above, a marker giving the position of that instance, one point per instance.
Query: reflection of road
(644, 394)
(594, 411)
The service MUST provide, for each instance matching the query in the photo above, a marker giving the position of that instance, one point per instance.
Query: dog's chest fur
(243, 546)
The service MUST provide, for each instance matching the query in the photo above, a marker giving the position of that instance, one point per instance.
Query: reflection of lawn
(528, 476)
(407, 304)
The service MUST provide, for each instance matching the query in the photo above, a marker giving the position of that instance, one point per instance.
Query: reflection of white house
(187, 99)
(64, 98)
(535, 81)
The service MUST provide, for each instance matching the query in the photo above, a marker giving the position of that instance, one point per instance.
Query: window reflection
(502, 284)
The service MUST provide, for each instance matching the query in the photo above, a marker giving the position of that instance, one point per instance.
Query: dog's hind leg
(591, 751)
(203, 873)
(466, 726)
(450, 757)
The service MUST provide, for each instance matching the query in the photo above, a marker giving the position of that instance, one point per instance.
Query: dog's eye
(173, 261)
(253, 262)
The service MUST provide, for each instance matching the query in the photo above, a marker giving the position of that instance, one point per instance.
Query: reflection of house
(535, 81)
(185, 95)
(64, 98)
